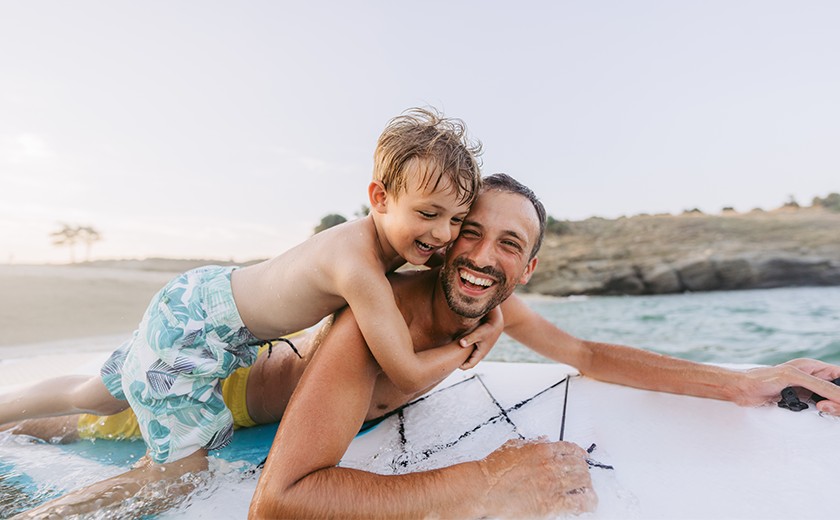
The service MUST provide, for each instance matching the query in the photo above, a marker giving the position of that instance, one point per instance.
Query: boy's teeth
(476, 281)
(424, 246)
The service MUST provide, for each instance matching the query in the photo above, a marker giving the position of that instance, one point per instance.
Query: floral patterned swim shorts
(190, 338)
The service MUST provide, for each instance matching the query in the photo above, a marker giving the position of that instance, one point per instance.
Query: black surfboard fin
(791, 401)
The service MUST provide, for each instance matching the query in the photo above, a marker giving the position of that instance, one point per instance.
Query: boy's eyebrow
(441, 208)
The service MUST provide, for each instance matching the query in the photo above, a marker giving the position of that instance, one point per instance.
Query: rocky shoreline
(663, 254)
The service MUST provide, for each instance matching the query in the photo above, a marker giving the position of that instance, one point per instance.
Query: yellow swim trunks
(123, 426)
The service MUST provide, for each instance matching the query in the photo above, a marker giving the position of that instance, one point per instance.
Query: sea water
(767, 326)
(758, 326)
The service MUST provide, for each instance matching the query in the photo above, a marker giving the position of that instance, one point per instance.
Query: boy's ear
(378, 197)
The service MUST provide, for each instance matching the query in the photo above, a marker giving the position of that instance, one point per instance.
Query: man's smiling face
(491, 255)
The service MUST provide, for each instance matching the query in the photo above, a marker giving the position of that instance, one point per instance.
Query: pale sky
(228, 129)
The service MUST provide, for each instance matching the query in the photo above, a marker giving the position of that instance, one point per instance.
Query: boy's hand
(483, 337)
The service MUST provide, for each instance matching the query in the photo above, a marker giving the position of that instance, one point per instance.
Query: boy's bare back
(297, 289)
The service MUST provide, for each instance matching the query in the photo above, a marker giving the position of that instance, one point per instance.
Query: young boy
(210, 321)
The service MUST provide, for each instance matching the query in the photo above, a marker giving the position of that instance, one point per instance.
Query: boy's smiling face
(423, 218)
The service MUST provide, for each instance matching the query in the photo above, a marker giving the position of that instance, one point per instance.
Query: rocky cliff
(691, 252)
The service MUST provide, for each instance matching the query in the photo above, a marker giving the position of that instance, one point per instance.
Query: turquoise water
(759, 326)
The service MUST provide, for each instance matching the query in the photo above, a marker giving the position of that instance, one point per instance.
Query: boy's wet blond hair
(420, 133)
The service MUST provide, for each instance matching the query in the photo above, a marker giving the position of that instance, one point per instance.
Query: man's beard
(470, 306)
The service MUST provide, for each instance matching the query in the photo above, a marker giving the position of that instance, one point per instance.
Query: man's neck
(427, 313)
(445, 322)
(450, 321)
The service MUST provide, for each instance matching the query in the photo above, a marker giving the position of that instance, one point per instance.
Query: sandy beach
(60, 319)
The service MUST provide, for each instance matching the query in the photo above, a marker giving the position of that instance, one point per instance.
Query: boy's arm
(389, 340)
(650, 371)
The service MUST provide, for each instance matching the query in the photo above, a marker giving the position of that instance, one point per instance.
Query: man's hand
(764, 385)
(536, 479)
(483, 337)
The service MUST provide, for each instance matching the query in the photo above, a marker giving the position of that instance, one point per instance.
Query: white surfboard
(655, 456)
(671, 456)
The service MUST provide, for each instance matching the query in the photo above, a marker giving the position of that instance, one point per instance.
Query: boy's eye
(457, 220)
(427, 215)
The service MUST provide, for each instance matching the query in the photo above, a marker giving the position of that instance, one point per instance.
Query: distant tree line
(557, 227)
(70, 235)
(832, 202)
(560, 227)
(334, 219)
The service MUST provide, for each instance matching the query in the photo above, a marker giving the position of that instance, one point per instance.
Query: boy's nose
(443, 233)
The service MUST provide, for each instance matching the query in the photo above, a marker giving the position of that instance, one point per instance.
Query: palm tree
(67, 236)
(89, 235)
(70, 235)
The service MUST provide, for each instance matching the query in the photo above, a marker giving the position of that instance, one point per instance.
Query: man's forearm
(452, 492)
(521, 479)
(651, 371)
(618, 363)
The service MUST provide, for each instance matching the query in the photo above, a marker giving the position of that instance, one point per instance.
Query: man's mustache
(488, 270)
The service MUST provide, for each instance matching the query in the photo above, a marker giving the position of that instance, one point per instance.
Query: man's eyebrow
(508, 232)
(515, 235)
(468, 222)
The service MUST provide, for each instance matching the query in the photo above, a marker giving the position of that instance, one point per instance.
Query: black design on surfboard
(410, 456)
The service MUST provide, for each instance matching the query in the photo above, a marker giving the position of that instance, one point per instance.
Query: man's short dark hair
(506, 183)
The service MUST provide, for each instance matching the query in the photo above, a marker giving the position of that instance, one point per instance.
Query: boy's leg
(122, 487)
(59, 396)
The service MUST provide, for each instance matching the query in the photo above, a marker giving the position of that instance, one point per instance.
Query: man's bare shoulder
(412, 283)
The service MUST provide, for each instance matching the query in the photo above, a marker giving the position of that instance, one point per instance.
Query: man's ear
(529, 270)
(378, 197)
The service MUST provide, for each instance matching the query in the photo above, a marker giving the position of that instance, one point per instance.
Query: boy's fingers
(470, 362)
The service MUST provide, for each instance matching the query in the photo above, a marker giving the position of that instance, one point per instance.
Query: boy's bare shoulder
(353, 248)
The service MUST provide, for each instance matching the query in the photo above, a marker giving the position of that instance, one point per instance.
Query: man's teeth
(476, 281)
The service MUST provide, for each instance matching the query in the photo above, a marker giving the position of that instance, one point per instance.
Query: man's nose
(482, 254)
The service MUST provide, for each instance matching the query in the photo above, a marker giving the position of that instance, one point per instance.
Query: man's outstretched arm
(651, 371)
(301, 480)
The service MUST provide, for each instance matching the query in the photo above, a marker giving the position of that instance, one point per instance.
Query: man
(343, 386)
